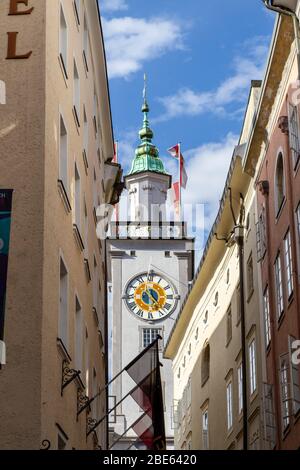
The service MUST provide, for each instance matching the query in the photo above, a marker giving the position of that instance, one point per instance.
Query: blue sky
(200, 58)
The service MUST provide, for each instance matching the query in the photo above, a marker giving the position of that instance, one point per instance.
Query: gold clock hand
(153, 299)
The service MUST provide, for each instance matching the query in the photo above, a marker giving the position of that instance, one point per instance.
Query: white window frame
(288, 264)
(278, 207)
(63, 41)
(240, 388)
(77, 197)
(267, 319)
(294, 134)
(86, 42)
(252, 367)
(63, 154)
(229, 401)
(284, 385)
(205, 429)
(152, 334)
(76, 92)
(78, 335)
(77, 5)
(63, 319)
(279, 286)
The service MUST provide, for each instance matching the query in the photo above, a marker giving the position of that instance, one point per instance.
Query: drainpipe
(106, 341)
(285, 11)
(239, 238)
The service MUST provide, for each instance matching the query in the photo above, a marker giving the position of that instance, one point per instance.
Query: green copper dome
(147, 154)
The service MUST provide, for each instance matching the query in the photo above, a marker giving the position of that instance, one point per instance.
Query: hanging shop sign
(5, 222)
(14, 43)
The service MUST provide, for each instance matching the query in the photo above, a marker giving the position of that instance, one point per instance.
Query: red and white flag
(176, 197)
(174, 152)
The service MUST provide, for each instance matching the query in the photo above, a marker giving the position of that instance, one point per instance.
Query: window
(86, 232)
(77, 198)
(197, 334)
(252, 366)
(216, 299)
(250, 281)
(63, 154)
(190, 349)
(279, 184)
(95, 285)
(240, 388)
(205, 439)
(284, 382)
(205, 319)
(229, 406)
(278, 287)
(95, 192)
(76, 94)
(229, 326)
(95, 112)
(288, 264)
(78, 336)
(294, 134)
(63, 42)
(205, 364)
(149, 335)
(267, 321)
(77, 10)
(238, 304)
(294, 377)
(261, 240)
(85, 134)
(63, 304)
(85, 44)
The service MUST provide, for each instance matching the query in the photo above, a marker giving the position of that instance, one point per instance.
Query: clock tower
(151, 264)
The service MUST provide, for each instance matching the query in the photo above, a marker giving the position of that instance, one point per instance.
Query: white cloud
(113, 5)
(207, 167)
(247, 65)
(132, 41)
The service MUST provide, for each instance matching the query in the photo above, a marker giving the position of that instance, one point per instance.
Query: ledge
(85, 161)
(87, 269)
(78, 237)
(96, 315)
(63, 350)
(64, 196)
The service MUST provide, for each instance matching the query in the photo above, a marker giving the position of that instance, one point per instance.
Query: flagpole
(117, 206)
(136, 422)
(119, 374)
(179, 159)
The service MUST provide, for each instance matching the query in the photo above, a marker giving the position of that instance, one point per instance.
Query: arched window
(205, 362)
(216, 301)
(279, 183)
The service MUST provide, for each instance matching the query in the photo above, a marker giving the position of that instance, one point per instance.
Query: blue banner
(5, 222)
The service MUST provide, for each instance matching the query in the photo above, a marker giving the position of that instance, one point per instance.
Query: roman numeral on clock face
(140, 313)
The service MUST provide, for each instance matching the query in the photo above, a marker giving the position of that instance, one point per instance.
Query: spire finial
(145, 88)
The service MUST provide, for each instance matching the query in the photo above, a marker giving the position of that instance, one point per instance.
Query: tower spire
(146, 154)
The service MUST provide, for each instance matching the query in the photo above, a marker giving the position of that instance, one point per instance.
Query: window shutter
(269, 422)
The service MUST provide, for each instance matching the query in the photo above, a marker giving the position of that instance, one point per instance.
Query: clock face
(150, 297)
